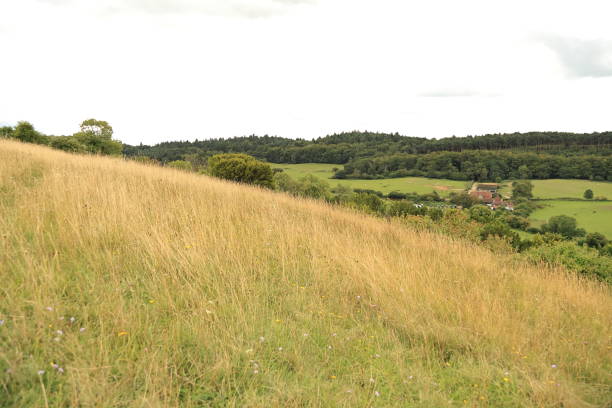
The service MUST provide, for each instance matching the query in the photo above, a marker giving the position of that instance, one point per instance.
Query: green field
(419, 185)
(554, 188)
(593, 216)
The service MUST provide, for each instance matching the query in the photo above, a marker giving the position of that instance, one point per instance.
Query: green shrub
(241, 168)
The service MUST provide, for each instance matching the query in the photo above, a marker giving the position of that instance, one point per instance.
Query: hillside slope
(150, 287)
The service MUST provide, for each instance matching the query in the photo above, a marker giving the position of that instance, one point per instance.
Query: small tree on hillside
(588, 194)
(97, 137)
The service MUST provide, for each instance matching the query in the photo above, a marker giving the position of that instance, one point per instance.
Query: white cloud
(243, 8)
(580, 57)
(167, 70)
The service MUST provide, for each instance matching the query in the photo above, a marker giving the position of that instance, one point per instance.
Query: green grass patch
(420, 185)
(593, 216)
(560, 188)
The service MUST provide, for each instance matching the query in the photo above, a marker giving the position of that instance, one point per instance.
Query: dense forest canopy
(483, 165)
(344, 147)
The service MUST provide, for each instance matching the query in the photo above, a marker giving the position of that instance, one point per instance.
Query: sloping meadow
(131, 285)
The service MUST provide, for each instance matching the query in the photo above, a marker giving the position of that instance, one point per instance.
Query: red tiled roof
(485, 196)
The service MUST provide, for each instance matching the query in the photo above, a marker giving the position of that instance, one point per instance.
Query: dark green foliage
(479, 165)
(25, 132)
(345, 147)
(241, 168)
(66, 143)
(563, 225)
(368, 191)
(6, 131)
(500, 229)
(596, 240)
(522, 190)
(516, 222)
(481, 213)
(369, 202)
(524, 208)
(462, 199)
(588, 194)
(396, 195)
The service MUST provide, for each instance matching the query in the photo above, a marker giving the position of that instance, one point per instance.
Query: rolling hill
(130, 285)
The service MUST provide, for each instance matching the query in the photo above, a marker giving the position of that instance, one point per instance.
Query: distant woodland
(533, 155)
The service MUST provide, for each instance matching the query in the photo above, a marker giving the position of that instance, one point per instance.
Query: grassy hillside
(142, 286)
(420, 185)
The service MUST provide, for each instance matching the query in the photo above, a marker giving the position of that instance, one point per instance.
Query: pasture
(561, 188)
(420, 185)
(593, 216)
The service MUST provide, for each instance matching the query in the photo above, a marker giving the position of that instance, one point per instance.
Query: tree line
(345, 147)
(482, 165)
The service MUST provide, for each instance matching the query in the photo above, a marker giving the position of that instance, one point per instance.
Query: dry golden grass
(198, 292)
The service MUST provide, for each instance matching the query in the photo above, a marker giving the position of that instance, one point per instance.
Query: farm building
(492, 187)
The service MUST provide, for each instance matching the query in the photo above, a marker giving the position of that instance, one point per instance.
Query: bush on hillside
(241, 168)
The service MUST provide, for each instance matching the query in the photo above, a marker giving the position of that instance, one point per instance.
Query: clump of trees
(95, 136)
(563, 225)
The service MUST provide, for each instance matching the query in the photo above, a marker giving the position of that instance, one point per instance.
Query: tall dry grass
(190, 291)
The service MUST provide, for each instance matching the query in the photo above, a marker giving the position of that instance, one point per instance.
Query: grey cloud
(582, 58)
(237, 8)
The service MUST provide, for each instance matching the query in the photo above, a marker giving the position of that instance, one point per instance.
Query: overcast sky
(183, 69)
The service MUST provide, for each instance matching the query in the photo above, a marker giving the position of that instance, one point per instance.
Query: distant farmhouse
(488, 194)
